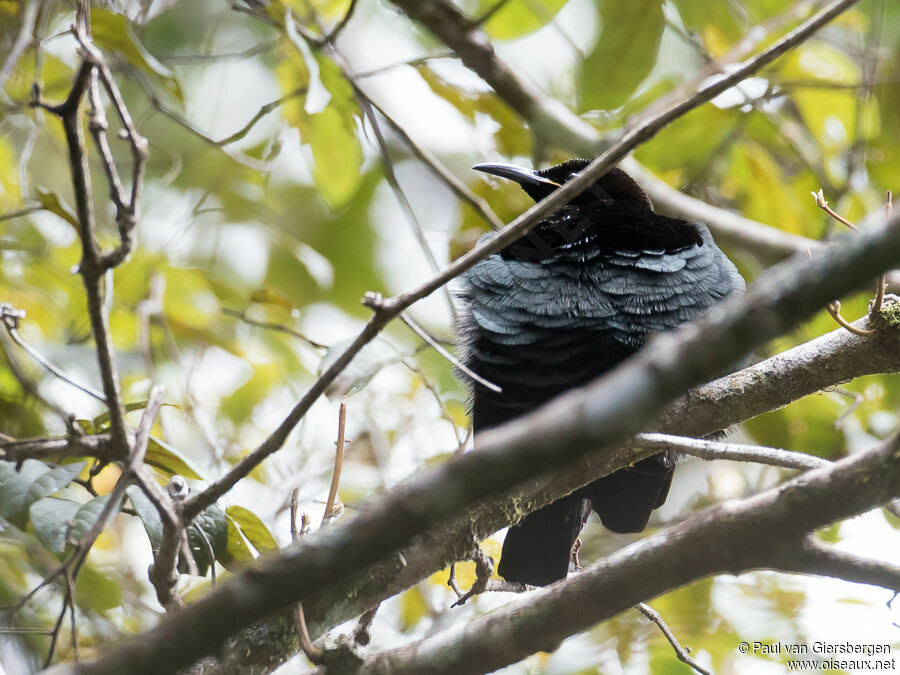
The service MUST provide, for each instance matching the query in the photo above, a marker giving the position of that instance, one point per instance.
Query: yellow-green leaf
(166, 458)
(52, 203)
(337, 154)
(113, 31)
(517, 18)
(625, 53)
(253, 528)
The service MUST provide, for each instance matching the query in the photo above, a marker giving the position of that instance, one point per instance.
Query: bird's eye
(572, 175)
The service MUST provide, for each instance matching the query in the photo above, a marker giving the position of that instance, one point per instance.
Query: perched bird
(568, 301)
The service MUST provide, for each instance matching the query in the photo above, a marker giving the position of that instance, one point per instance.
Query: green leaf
(512, 136)
(168, 460)
(51, 518)
(101, 420)
(330, 133)
(337, 154)
(85, 518)
(148, 514)
(239, 405)
(14, 487)
(253, 528)
(238, 553)
(625, 54)
(52, 203)
(713, 21)
(52, 481)
(518, 18)
(10, 190)
(212, 523)
(97, 592)
(113, 31)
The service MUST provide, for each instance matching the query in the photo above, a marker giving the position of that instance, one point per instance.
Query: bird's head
(614, 188)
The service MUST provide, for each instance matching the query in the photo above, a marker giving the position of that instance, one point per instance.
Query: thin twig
(273, 326)
(313, 653)
(436, 346)
(400, 195)
(683, 653)
(484, 18)
(856, 400)
(10, 316)
(880, 289)
(93, 266)
(834, 307)
(458, 187)
(333, 34)
(20, 212)
(414, 62)
(338, 464)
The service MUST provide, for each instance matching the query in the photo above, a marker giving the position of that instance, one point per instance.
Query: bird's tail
(538, 549)
(625, 499)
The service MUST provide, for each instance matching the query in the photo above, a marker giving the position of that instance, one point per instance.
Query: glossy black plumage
(561, 306)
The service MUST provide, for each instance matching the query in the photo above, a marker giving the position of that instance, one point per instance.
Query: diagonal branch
(387, 310)
(565, 430)
(734, 537)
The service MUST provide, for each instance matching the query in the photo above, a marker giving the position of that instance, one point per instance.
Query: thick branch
(600, 414)
(732, 537)
(99, 446)
(771, 384)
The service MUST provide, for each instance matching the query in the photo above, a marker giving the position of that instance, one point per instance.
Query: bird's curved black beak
(528, 179)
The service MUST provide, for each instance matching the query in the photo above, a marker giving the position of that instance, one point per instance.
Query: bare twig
(458, 187)
(338, 464)
(400, 195)
(73, 563)
(92, 266)
(127, 207)
(683, 653)
(834, 307)
(20, 212)
(856, 400)
(484, 568)
(714, 450)
(417, 61)
(436, 346)
(11, 317)
(313, 653)
(273, 326)
(496, 7)
(880, 289)
(334, 32)
(295, 533)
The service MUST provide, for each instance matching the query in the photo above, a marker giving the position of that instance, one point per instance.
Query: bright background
(294, 221)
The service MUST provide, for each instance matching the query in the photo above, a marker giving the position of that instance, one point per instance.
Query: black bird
(574, 297)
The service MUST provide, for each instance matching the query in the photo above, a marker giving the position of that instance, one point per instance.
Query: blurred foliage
(255, 237)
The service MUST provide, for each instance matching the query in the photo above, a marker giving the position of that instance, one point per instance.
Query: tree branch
(91, 267)
(387, 309)
(733, 537)
(564, 430)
